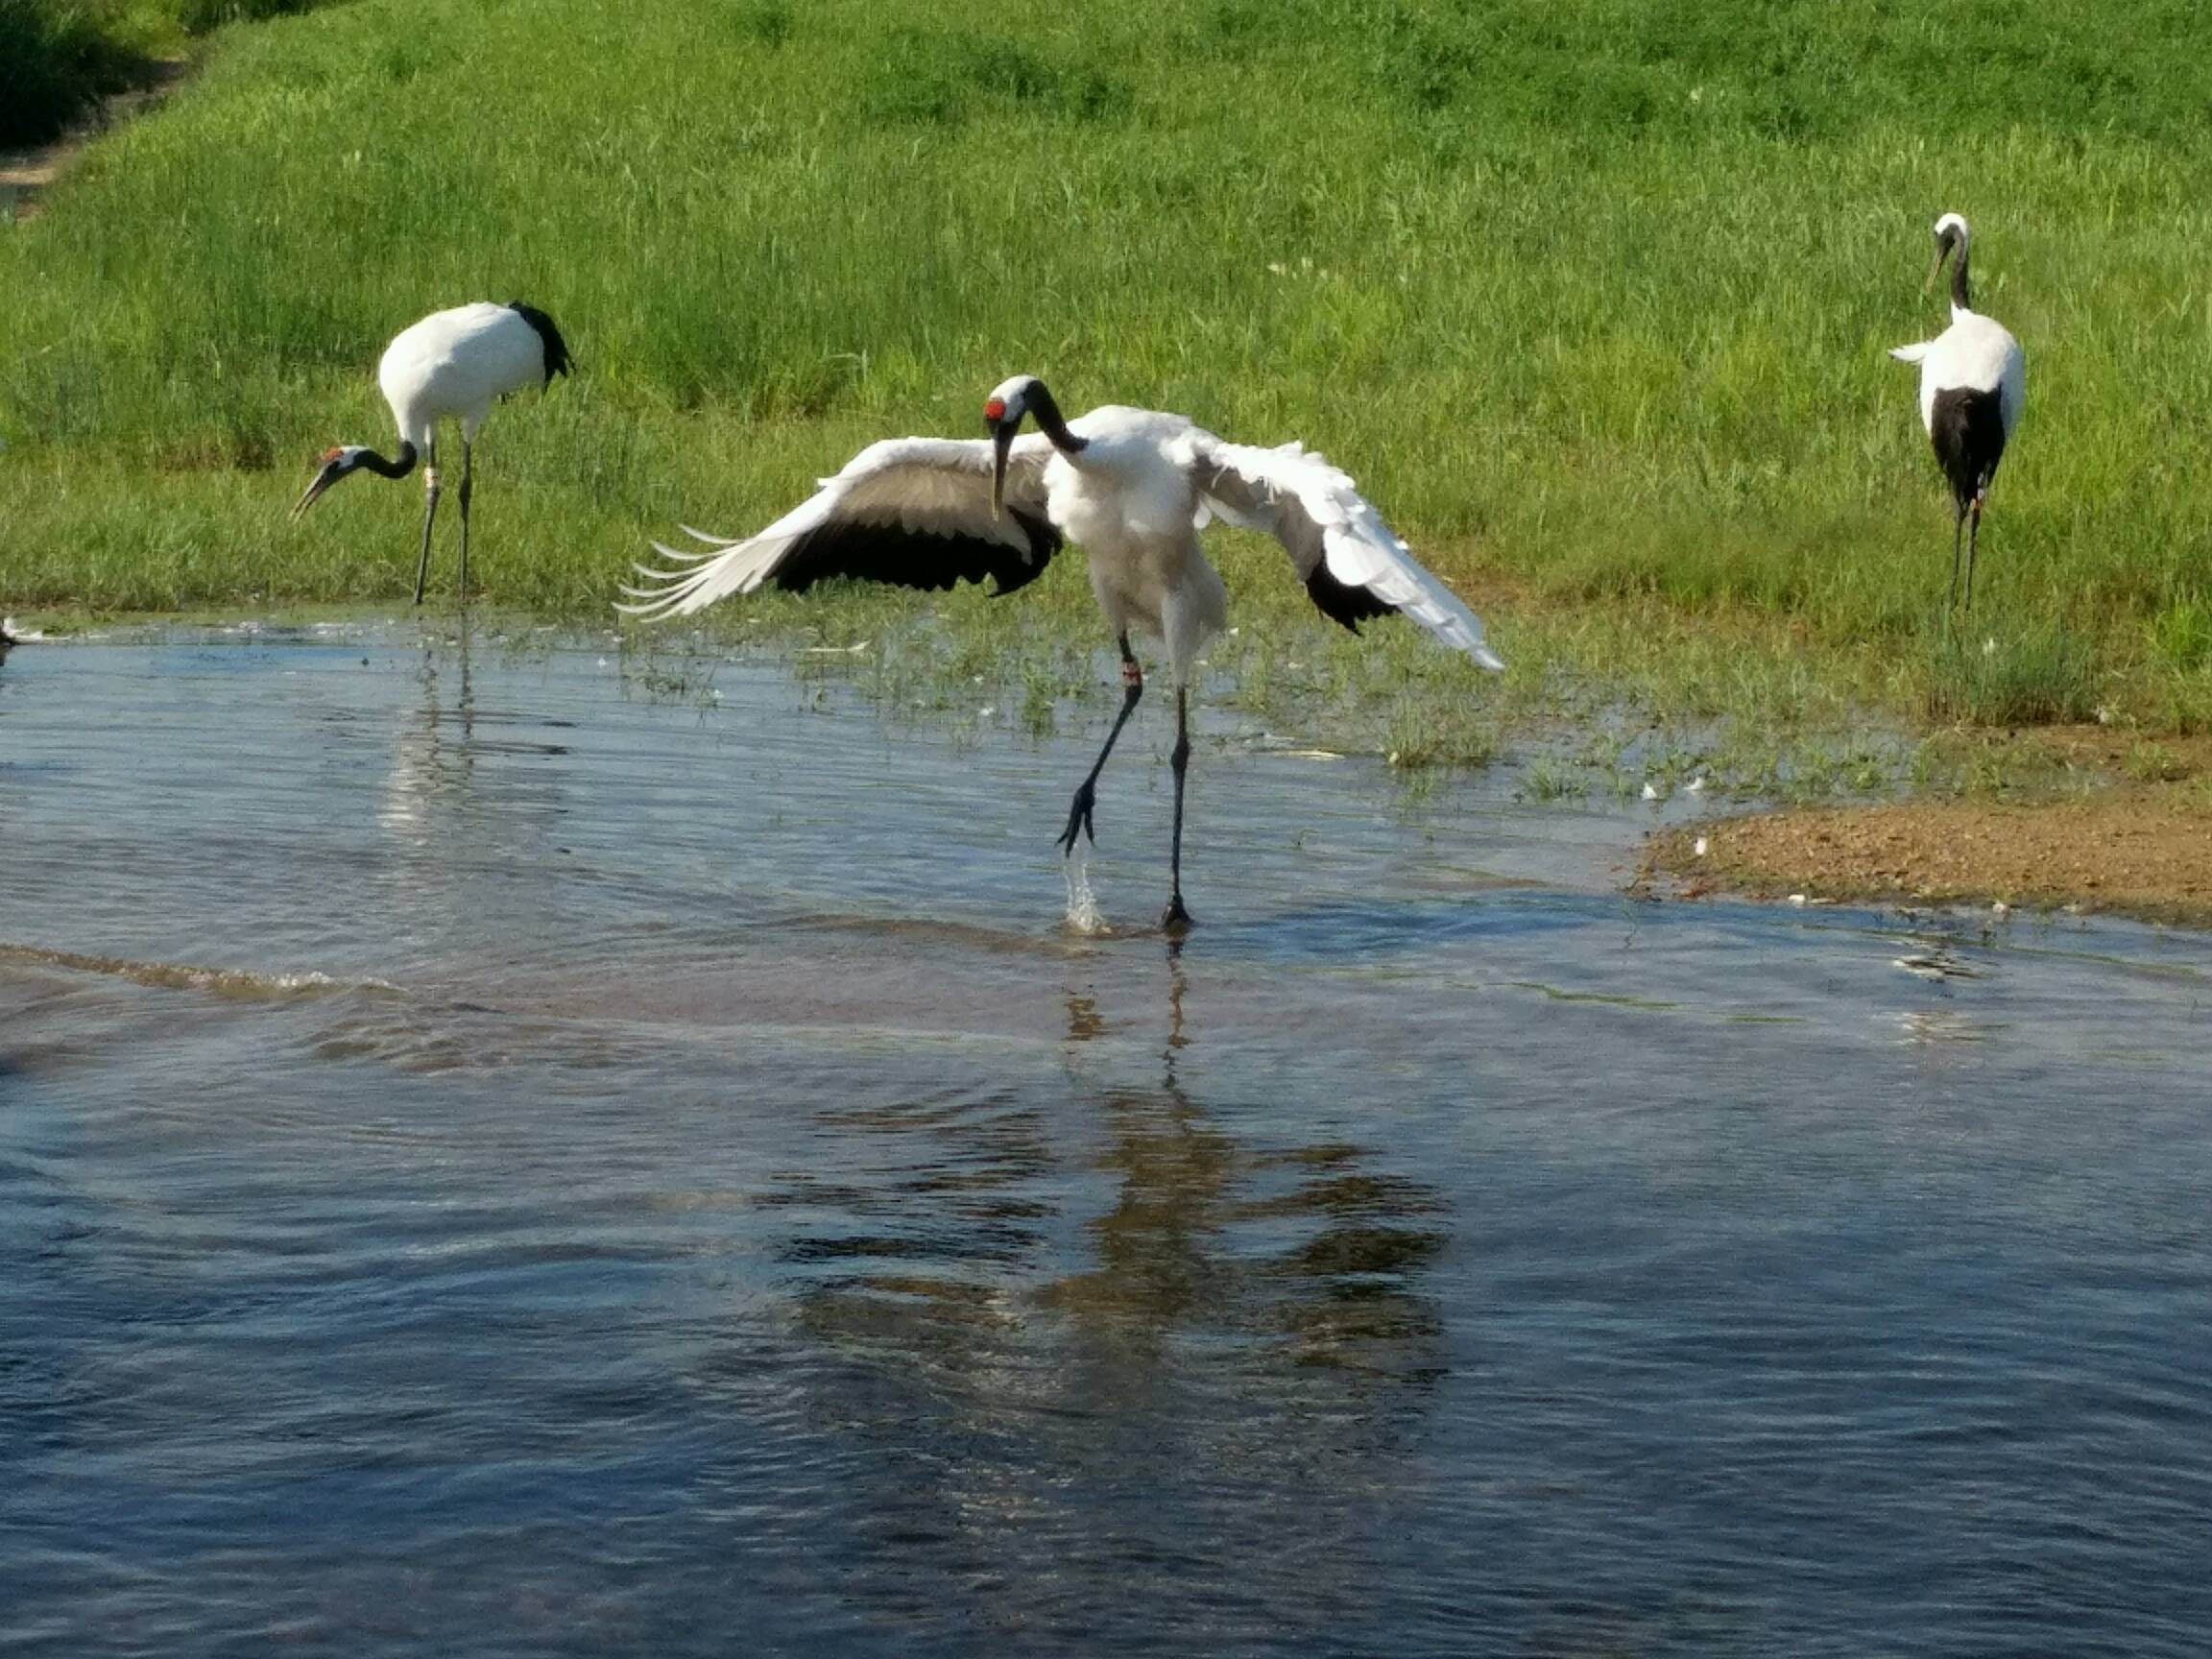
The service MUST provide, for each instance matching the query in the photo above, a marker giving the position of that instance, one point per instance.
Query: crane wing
(1351, 562)
(912, 511)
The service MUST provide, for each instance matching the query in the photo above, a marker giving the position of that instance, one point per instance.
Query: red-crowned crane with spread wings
(1133, 487)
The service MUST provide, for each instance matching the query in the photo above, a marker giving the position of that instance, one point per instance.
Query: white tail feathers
(699, 579)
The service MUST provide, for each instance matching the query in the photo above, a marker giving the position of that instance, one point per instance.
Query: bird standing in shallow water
(1133, 487)
(1973, 383)
(449, 367)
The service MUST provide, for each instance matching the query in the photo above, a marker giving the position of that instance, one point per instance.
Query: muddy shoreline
(2132, 836)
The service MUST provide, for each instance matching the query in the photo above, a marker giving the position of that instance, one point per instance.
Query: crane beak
(1943, 247)
(334, 467)
(1002, 441)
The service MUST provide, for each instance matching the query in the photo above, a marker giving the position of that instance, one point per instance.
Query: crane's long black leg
(1086, 792)
(1958, 524)
(429, 512)
(1973, 535)
(1177, 919)
(466, 458)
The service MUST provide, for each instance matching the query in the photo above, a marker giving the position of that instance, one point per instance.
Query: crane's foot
(1079, 819)
(1175, 921)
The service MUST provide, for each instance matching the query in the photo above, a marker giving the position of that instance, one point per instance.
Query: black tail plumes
(1968, 428)
(556, 347)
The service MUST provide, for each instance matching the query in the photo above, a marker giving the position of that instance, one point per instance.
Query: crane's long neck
(1051, 425)
(398, 467)
(1959, 300)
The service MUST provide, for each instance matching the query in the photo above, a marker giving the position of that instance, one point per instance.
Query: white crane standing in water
(1133, 487)
(1973, 384)
(450, 365)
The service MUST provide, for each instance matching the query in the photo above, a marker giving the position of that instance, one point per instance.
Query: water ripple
(495, 1162)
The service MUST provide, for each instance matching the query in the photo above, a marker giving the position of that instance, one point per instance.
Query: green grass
(2036, 677)
(53, 59)
(57, 57)
(1592, 295)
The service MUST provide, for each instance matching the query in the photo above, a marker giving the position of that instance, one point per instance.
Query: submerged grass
(1592, 294)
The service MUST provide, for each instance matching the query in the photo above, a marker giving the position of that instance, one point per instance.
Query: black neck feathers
(1050, 420)
(1957, 244)
(556, 347)
(398, 467)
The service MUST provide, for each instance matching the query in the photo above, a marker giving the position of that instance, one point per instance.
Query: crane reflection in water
(1093, 1310)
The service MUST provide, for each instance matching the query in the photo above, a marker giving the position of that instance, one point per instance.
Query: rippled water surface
(493, 1159)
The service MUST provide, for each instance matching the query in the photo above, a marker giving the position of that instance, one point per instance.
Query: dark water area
(498, 1159)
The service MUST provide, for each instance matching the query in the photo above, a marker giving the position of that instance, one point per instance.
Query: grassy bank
(1592, 295)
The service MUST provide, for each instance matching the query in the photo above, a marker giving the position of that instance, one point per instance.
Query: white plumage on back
(1976, 352)
(453, 365)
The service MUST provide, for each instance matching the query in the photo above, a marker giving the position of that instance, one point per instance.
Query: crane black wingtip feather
(1344, 602)
(557, 359)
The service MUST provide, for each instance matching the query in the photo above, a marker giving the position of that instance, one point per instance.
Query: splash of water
(1083, 916)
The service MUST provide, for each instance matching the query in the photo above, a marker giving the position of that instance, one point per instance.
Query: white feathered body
(1975, 353)
(453, 365)
(1128, 500)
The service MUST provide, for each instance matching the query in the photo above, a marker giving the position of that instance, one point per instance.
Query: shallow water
(491, 1161)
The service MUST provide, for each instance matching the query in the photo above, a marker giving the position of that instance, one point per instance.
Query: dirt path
(26, 174)
(2140, 843)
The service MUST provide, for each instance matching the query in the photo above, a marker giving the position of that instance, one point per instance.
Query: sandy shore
(2133, 836)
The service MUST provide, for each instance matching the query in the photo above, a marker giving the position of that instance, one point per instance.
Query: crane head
(1002, 415)
(338, 461)
(1951, 236)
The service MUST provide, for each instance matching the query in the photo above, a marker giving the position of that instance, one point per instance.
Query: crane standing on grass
(1134, 488)
(1973, 382)
(449, 366)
